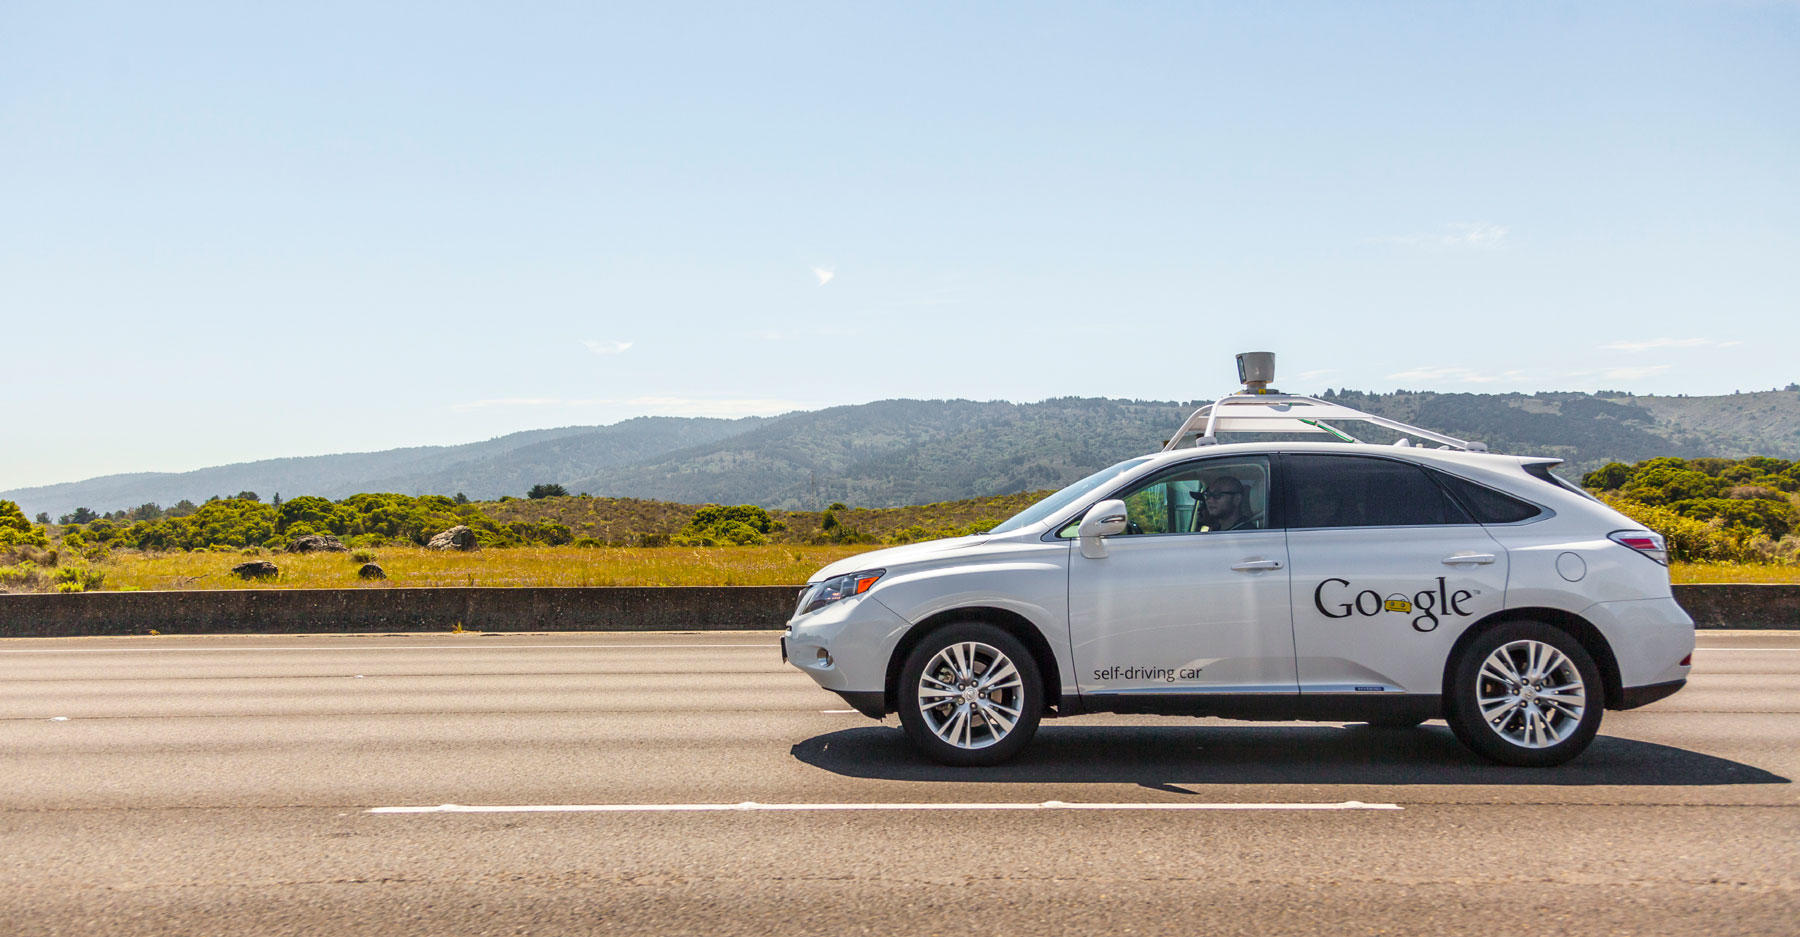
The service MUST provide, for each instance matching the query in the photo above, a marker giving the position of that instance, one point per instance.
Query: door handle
(1469, 559)
(1251, 566)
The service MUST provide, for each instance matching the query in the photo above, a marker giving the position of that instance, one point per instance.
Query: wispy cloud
(810, 333)
(1454, 376)
(606, 346)
(715, 406)
(1480, 235)
(495, 402)
(1651, 343)
(647, 405)
(825, 274)
(1622, 374)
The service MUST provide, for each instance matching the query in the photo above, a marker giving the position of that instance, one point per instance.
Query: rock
(317, 543)
(258, 569)
(456, 538)
(371, 571)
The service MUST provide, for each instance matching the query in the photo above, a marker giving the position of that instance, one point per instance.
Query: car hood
(897, 556)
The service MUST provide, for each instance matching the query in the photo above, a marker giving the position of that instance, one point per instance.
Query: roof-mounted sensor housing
(1259, 408)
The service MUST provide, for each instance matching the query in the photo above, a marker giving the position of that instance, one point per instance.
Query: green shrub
(1689, 540)
(77, 579)
(734, 525)
(362, 556)
(24, 577)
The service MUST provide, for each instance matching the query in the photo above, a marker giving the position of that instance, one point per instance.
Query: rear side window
(1541, 470)
(1360, 491)
(1485, 504)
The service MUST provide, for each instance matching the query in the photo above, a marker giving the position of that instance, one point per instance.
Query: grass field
(523, 566)
(580, 566)
(1734, 572)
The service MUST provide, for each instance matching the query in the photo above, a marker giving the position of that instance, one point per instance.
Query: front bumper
(845, 646)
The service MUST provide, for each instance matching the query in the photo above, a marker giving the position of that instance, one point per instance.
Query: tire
(1497, 701)
(947, 706)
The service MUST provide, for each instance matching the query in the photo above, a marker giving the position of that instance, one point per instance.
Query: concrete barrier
(721, 608)
(278, 611)
(1741, 605)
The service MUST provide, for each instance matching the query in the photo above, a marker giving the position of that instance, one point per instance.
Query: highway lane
(223, 785)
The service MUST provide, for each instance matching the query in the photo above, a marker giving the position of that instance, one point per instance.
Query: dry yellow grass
(523, 566)
(578, 566)
(1734, 572)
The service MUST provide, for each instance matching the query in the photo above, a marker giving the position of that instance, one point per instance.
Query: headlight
(838, 587)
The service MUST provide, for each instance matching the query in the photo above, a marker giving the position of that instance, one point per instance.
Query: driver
(1222, 506)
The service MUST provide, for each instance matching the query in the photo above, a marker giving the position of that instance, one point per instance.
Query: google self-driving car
(1331, 580)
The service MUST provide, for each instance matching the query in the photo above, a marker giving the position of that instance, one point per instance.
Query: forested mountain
(894, 452)
(504, 465)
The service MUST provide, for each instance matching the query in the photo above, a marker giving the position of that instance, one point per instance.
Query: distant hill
(483, 470)
(897, 452)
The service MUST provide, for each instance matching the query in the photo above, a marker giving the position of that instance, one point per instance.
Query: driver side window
(1208, 496)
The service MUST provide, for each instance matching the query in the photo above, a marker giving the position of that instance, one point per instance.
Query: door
(1193, 597)
(1387, 572)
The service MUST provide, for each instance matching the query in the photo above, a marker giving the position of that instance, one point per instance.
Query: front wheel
(970, 695)
(1525, 694)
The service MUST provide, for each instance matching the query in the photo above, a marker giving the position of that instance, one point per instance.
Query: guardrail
(688, 608)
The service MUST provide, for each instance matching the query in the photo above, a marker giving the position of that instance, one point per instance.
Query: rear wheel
(1525, 694)
(970, 694)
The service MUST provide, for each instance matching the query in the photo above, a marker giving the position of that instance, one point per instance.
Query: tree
(739, 525)
(319, 514)
(15, 530)
(43, 517)
(547, 490)
(246, 496)
(78, 516)
(1609, 477)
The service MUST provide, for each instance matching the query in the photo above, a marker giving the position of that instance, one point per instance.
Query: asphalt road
(224, 785)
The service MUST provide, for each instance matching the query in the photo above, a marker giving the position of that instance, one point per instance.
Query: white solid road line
(751, 805)
(376, 647)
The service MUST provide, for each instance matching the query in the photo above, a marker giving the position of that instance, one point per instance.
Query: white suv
(1271, 580)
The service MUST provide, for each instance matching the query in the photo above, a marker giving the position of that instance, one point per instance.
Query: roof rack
(1261, 409)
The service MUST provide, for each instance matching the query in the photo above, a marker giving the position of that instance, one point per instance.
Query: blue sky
(239, 231)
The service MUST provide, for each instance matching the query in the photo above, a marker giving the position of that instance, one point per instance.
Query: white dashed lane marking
(752, 806)
(378, 647)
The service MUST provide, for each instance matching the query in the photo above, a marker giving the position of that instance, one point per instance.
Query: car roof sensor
(1259, 408)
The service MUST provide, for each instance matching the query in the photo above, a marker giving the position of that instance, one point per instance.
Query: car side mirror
(1102, 520)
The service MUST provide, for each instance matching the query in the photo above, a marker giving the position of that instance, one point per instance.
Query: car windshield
(1067, 496)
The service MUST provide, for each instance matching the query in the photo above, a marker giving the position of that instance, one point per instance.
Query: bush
(25, 577)
(78, 579)
(1689, 540)
(362, 556)
(16, 530)
(736, 525)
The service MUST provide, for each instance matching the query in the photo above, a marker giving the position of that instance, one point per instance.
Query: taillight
(1643, 541)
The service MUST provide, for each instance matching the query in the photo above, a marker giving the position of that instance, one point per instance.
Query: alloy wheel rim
(1530, 694)
(971, 695)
